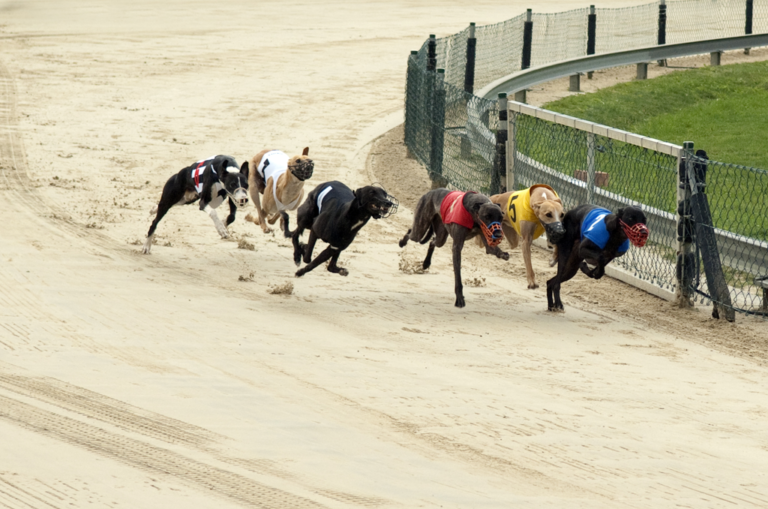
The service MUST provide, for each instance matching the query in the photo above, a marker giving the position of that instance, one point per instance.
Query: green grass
(723, 110)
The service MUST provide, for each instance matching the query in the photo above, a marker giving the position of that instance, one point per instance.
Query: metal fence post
(591, 32)
(512, 117)
(409, 126)
(748, 22)
(527, 39)
(662, 34)
(686, 258)
(590, 168)
(500, 162)
(469, 84)
(469, 72)
(438, 131)
(431, 53)
(706, 239)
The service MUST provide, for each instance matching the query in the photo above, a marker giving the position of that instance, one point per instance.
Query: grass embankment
(723, 110)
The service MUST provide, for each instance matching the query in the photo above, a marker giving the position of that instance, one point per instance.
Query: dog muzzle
(388, 208)
(555, 231)
(493, 233)
(303, 171)
(637, 233)
(240, 202)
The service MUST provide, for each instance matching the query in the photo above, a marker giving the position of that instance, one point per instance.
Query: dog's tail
(404, 240)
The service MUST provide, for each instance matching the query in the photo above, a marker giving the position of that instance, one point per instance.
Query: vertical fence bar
(590, 168)
(431, 53)
(498, 181)
(591, 33)
(686, 258)
(438, 130)
(512, 117)
(411, 109)
(707, 241)
(748, 21)
(527, 39)
(469, 72)
(469, 84)
(662, 33)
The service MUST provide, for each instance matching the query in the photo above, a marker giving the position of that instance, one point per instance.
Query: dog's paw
(145, 250)
(300, 273)
(343, 272)
(425, 265)
(532, 286)
(556, 309)
(504, 256)
(460, 301)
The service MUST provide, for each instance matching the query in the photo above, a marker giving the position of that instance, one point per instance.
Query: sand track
(166, 381)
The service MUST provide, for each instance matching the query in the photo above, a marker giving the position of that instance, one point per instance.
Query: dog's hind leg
(332, 267)
(321, 258)
(404, 240)
(162, 209)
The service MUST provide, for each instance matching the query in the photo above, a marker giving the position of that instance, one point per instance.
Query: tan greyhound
(280, 179)
(529, 213)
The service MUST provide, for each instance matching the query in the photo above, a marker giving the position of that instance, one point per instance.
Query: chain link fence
(454, 134)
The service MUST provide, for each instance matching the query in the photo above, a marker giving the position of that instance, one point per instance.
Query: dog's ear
(557, 199)
(305, 152)
(536, 206)
(500, 207)
(620, 213)
(244, 169)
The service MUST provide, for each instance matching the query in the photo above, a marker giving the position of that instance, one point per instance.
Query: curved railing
(462, 137)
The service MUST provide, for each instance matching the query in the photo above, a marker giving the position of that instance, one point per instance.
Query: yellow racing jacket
(519, 209)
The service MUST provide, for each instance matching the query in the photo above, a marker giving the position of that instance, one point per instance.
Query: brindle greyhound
(431, 221)
(593, 238)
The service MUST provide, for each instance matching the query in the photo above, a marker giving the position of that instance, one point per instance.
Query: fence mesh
(737, 198)
(453, 133)
(624, 174)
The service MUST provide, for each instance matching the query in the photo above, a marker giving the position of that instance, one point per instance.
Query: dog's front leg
(458, 245)
(332, 267)
(496, 251)
(262, 214)
(321, 258)
(232, 212)
(217, 222)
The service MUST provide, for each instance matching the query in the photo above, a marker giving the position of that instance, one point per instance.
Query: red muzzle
(637, 233)
(493, 233)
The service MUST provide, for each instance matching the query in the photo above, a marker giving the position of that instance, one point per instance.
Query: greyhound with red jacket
(441, 212)
(593, 237)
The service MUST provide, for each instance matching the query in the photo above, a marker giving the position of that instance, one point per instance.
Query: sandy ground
(179, 380)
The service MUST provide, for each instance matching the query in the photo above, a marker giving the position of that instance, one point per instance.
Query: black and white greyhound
(212, 181)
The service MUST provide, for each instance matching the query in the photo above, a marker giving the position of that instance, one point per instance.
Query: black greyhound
(441, 212)
(593, 238)
(211, 181)
(334, 214)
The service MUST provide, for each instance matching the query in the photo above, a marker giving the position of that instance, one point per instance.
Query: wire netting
(738, 198)
(453, 133)
(587, 168)
(697, 20)
(626, 28)
(559, 36)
